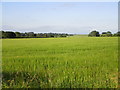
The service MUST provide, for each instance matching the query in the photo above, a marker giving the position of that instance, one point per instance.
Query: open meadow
(76, 62)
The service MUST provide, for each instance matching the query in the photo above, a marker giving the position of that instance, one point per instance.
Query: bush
(94, 34)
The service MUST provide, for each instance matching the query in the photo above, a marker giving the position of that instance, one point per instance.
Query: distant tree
(1, 34)
(22, 35)
(31, 34)
(18, 34)
(38, 35)
(26, 35)
(94, 34)
(44, 35)
(109, 34)
(103, 35)
(35, 35)
(63, 35)
(51, 34)
(41, 35)
(9, 35)
(117, 34)
(106, 34)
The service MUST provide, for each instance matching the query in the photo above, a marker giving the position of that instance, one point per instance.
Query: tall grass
(76, 62)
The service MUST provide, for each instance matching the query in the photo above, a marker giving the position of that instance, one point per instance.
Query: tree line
(104, 34)
(10, 34)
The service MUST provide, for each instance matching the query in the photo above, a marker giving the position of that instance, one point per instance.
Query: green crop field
(76, 62)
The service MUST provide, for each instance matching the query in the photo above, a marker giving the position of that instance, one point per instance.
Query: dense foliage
(94, 34)
(10, 34)
(104, 34)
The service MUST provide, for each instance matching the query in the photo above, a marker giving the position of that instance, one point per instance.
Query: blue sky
(60, 17)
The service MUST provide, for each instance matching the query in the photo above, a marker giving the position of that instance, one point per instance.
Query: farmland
(76, 62)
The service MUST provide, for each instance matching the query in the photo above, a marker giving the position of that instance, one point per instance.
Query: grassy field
(77, 62)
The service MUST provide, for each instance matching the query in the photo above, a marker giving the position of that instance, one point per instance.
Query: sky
(60, 17)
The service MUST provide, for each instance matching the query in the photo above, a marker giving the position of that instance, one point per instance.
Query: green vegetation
(104, 34)
(94, 34)
(77, 62)
(10, 34)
